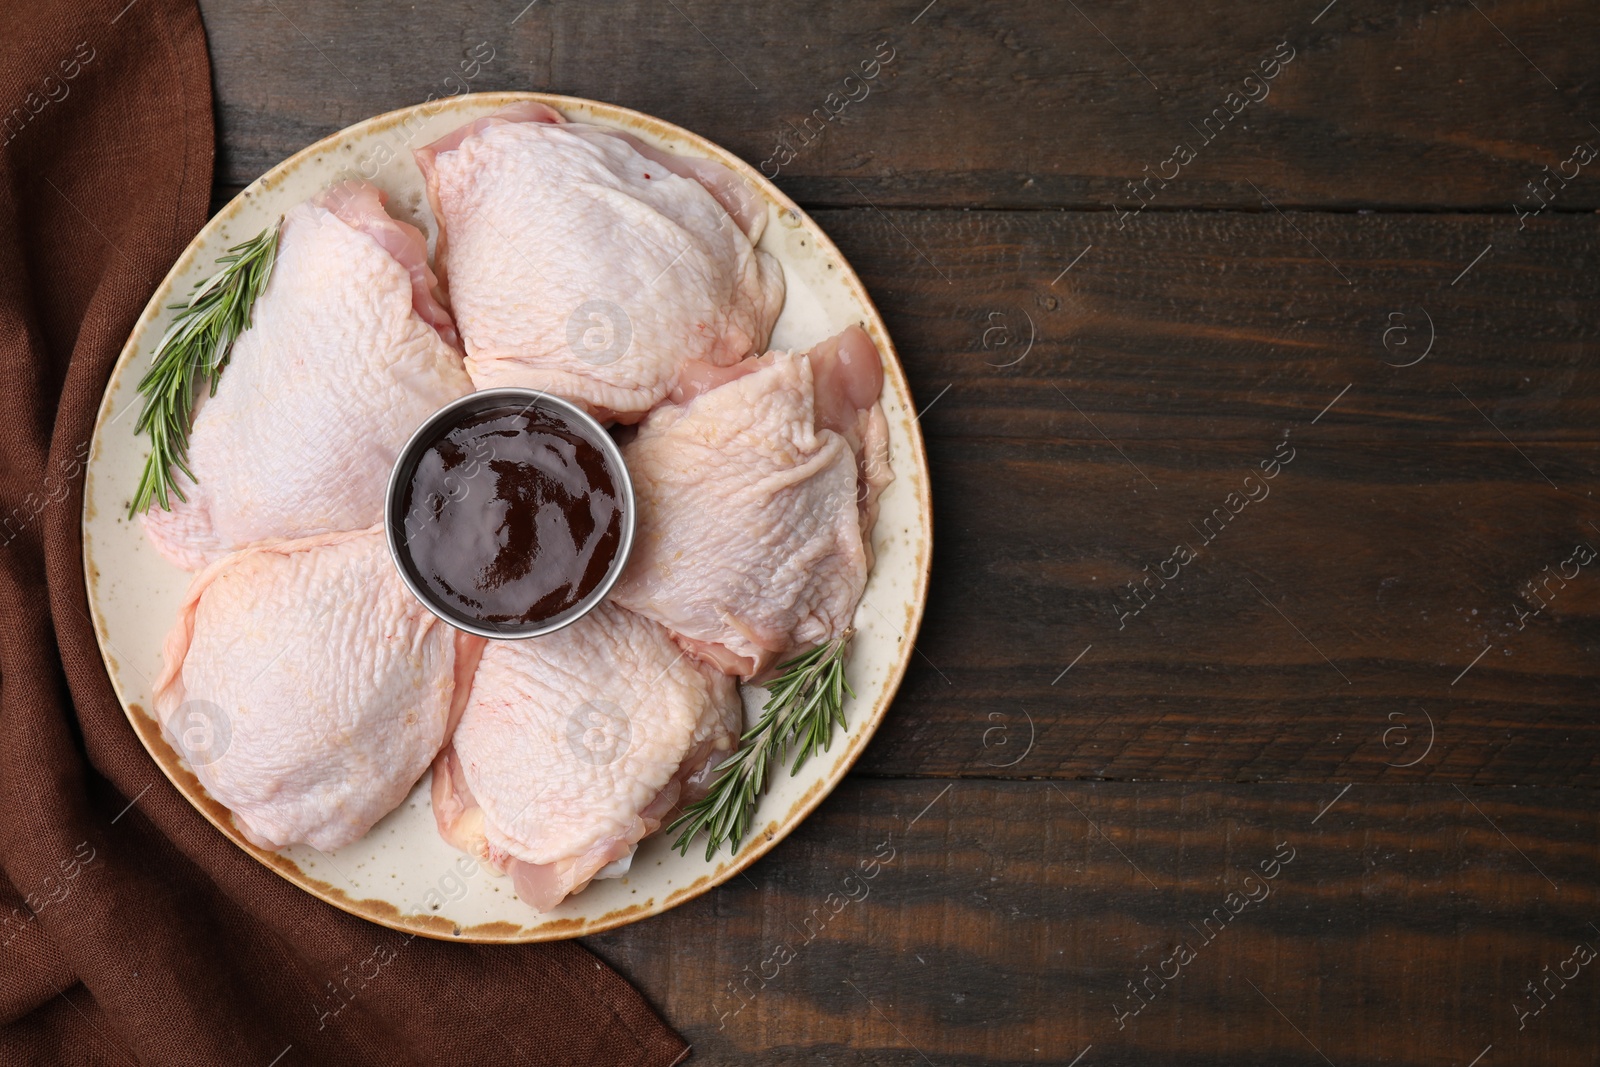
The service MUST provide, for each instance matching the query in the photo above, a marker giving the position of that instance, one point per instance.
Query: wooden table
(1254, 719)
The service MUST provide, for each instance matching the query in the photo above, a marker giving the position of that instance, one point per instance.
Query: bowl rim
(429, 431)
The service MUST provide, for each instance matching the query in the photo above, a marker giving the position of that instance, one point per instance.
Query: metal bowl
(394, 516)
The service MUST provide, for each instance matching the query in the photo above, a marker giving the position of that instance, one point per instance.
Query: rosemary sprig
(805, 702)
(194, 351)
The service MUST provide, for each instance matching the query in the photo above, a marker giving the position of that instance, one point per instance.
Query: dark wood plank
(1404, 539)
(1222, 675)
(1193, 327)
(1011, 103)
(1004, 922)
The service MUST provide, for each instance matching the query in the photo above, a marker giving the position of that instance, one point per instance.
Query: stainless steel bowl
(394, 518)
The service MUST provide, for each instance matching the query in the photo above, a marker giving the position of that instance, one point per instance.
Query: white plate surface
(402, 874)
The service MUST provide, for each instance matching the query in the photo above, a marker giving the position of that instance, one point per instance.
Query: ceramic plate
(402, 874)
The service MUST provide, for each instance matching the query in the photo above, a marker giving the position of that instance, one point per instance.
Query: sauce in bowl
(510, 513)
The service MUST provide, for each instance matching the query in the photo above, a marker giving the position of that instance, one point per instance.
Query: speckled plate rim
(762, 838)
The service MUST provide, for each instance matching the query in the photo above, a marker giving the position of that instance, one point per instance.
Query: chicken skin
(349, 349)
(584, 263)
(575, 746)
(756, 496)
(308, 689)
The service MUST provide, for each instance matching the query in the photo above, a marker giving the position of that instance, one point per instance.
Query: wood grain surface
(1423, 518)
(1011, 103)
(1016, 923)
(1264, 481)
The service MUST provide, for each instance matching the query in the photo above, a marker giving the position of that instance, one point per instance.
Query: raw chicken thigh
(756, 497)
(308, 688)
(348, 351)
(584, 263)
(575, 746)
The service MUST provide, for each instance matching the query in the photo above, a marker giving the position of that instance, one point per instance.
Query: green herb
(194, 350)
(806, 701)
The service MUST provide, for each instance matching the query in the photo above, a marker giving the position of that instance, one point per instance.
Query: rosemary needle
(804, 704)
(192, 352)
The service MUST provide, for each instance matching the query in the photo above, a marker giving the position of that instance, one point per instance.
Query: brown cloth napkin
(132, 931)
